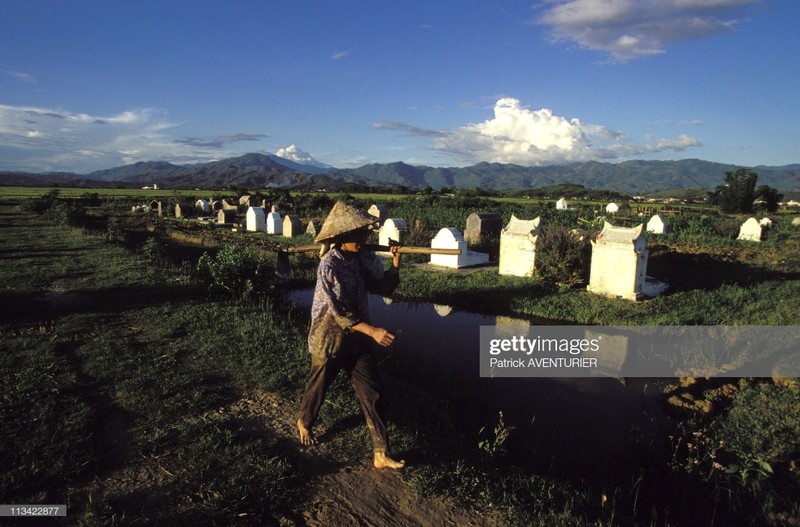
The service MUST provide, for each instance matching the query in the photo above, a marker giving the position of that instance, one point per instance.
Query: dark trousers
(357, 359)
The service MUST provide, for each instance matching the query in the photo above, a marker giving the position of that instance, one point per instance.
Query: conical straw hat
(343, 218)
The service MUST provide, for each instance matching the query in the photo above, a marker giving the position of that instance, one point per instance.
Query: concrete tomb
(619, 262)
(561, 204)
(483, 227)
(184, 210)
(244, 201)
(657, 225)
(750, 230)
(765, 222)
(202, 205)
(228, 206)
(274, 223)
(612, 208)
(256, 221)
(451, 238)
(216, 205)
(274, 208)
(313, 228)
(155, 206)
(392, 229)
(796, 221)
(227, 217)
(518, 247)
(379, 211)
(292, 226)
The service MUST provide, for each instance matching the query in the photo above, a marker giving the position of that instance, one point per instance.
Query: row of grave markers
(619, 254)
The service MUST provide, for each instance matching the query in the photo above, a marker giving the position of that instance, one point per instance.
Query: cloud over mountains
(299, 156)
(519, 135)
(37, 139)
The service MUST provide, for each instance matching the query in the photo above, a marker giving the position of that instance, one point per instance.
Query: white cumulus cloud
(519, 135)
(635, 28)
(292, 153)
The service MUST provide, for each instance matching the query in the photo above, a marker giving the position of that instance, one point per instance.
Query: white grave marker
(392, 229)
(750, 230)
(256, 221)
(619, 262)
(451, 238)
(657, 225)
(274, 223)
(518, 247)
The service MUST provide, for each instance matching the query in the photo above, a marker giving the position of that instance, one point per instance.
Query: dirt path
(345, 495)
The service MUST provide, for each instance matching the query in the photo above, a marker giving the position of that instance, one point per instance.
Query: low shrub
(68, 212)
(236, 271)
(562, 255)
(41, 204)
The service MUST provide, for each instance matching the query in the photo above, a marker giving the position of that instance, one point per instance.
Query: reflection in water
(442, 310)
(574, 418)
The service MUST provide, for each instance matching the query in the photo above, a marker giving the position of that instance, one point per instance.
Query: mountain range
(255, 171)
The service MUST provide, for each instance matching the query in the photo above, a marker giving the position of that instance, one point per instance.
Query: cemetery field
(138, 385)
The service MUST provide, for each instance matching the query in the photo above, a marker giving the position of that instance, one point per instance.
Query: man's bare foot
(383, 461)
(306, 436)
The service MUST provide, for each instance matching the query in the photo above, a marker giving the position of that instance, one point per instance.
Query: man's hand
(379, 335)
(394, 248)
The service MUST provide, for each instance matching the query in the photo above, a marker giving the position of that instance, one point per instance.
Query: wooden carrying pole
(283, 269)
(402, 249)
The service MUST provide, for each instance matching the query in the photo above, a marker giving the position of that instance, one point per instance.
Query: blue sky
(87, 85)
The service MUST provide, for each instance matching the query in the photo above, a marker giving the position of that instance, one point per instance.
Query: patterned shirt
(341, 296)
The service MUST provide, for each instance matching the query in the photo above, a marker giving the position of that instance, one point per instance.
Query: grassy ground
(113, 362)
(116, 363)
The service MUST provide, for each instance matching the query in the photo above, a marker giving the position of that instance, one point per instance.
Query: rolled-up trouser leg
(323, 372)
(367, 384)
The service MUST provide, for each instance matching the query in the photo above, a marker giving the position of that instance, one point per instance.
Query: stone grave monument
(750, 230)
(657, 225)
(378, 211)
(292, 226)
(451, 238)
(256, 220)
(619, 262)
(226, 217)
(274, 222)
(483, 227)
(184, 210)
(518, 247)
(392, 229)
(313, 228)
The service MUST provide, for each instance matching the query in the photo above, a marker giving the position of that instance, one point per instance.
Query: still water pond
(576, 419)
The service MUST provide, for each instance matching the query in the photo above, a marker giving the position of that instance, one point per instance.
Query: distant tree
(769, 196)
(738, 192)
